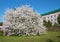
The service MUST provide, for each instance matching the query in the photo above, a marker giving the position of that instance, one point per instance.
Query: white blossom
(26, 20)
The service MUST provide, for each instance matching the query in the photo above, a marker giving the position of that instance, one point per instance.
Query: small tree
(14, 8)
(24, 18)
(1, 23)
(47, 24)
(55, 25)
(58, 19)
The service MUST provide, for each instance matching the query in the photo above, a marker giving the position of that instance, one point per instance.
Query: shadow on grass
(49, 40)
(58, 36)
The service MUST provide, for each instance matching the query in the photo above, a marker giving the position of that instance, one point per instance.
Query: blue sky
(41, 6)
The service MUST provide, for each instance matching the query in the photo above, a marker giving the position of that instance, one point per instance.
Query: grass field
(49, 37)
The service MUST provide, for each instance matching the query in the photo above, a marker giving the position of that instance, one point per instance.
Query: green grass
(49, 37)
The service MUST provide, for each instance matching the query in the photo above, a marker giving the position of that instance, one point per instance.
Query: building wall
(51, 17)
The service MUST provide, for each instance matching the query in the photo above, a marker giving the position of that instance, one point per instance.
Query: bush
(47, 24)
(58, 19)
(1, 33)
(1, 23)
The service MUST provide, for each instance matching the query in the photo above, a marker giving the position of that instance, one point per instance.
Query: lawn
(49, 37)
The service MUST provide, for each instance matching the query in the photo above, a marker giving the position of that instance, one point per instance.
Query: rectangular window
(55, 19)
(48, 17)
(54, 15)
(51, 16)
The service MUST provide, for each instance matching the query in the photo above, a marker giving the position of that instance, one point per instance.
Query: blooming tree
(24, 21)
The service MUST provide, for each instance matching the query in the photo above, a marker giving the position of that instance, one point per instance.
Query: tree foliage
(47, 24)
(1, 23)
(55, 25)
(58, 19)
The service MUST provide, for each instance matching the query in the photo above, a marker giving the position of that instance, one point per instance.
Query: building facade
(51, 16)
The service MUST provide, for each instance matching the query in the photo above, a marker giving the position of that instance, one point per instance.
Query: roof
(58, 10)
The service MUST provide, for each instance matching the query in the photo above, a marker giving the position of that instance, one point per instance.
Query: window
(55, 19)
(48, 17)
(51, 16)
(54, 15)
